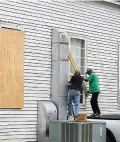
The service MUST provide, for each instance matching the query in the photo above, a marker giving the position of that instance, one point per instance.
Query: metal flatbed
(112, 123)
(107, 117)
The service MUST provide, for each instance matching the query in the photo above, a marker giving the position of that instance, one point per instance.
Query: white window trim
(13, 26)
(83, 105)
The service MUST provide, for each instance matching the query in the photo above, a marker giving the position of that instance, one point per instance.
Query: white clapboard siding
(97, 22)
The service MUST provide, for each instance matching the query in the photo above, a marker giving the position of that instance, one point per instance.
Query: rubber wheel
(108, 139)
(110, 136)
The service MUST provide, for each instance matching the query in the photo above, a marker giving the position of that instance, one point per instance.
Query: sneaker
(98, 115)
(93, 115)
(76, 117)
(70, 118)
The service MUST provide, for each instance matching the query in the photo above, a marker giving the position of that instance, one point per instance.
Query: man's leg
(96, 103)
(77, 102)
(70, 103)
(93, 103)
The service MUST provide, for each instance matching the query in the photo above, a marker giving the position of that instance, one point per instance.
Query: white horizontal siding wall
(99, 23)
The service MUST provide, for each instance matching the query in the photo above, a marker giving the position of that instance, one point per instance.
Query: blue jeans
(74, 96)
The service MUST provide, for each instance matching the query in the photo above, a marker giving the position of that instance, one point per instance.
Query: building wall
(99, 23)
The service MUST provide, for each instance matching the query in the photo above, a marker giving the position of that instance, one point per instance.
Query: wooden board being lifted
(11, 68)
(72, 61)
(70, 57)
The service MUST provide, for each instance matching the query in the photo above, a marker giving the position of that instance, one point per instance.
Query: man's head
(89, 71)
(77, 73)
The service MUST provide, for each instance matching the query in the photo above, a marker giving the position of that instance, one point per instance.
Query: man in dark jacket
(74, 93)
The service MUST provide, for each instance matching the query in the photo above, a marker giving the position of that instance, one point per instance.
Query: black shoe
(93, 115)
(99, 115)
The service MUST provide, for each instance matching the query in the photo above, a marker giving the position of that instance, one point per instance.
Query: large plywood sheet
(11, 68)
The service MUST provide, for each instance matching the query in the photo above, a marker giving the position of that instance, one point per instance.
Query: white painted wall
(99, 23)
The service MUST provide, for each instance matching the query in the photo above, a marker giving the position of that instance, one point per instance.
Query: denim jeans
(74, 96)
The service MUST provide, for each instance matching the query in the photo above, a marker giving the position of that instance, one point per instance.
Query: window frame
(85, 41)
(12, 26)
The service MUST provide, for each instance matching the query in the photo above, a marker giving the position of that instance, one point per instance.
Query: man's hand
(87, 93)
(69, 84)
(85, 79)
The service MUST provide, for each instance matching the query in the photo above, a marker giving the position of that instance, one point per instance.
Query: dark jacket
(76, 82)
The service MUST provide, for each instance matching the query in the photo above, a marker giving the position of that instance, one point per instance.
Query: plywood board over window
(11, 68)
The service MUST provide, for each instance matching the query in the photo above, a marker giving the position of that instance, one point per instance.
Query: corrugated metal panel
(97, 22)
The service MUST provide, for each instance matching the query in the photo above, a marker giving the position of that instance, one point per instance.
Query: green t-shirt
(93, 83)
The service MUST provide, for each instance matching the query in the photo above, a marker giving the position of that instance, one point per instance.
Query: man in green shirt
(94, 90)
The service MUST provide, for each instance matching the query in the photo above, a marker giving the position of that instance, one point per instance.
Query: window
(12, 68)
(78, 51)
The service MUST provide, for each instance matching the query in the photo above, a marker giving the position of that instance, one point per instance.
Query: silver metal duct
(59, 90)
